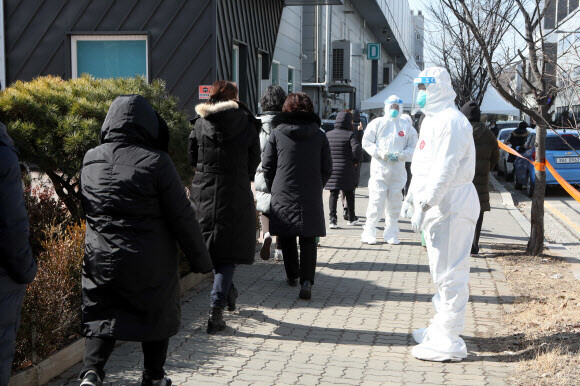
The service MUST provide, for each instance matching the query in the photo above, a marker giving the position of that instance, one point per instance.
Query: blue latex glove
(393, 157)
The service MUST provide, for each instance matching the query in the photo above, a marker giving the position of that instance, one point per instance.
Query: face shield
(393, 106)
(420, 93)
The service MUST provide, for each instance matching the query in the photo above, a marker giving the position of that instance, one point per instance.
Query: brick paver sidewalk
(356, 329)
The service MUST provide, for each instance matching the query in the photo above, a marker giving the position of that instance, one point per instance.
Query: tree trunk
(68, 198)
(536, 242)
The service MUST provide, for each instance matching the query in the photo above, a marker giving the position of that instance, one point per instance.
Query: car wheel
(529, 186)
(517, 185)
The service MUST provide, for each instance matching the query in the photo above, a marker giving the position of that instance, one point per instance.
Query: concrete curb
(72, 354)
(525, 224)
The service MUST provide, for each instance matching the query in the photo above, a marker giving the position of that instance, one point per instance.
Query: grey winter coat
(297, 164)
(263, 195)
(137, 214)
(224, 148)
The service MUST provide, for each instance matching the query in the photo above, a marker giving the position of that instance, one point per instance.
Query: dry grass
(542, 332)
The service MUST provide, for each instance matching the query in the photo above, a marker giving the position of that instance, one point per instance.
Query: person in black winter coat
(486, 157)
(297, 164)
(17, 267)
(518, 137)
(137, 213)
(346, 153)
(225, 149)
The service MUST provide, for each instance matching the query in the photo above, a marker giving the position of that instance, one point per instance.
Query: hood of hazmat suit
(391, 142)
(443, 167)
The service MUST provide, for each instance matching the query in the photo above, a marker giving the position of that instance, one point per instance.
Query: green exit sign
(374, 51)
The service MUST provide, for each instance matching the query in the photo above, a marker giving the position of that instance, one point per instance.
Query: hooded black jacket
(297, 164)
(225, 149)
(137, 213)
(346, 152)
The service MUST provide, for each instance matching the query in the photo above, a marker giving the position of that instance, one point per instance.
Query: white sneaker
(367, 239)
(393, 241)
(278, 255)
(352, 223)
(333, 225)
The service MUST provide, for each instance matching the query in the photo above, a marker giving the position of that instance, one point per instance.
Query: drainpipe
(328, 53)
(326, 82)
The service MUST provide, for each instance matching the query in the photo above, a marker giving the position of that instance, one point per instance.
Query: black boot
(148, 381)
(216, 322)
(306, 290)
(232, 296)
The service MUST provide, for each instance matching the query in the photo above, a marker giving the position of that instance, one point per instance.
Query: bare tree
(537, 72)
(455, 48)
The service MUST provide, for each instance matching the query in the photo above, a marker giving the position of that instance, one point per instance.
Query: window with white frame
(236, 64)
(109, 56)
(290, 79)
(275, 73)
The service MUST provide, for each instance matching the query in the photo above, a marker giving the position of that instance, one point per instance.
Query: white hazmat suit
(390, 141)
(445, 205)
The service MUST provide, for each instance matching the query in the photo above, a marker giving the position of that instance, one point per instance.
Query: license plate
(568, 160)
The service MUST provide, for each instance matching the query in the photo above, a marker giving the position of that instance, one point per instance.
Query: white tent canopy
(402, 86)
(493, 103)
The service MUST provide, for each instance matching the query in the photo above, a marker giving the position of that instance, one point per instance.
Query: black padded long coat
(17, 266)
(297, 164)
(224, 147)
(137, 213)
(486, 157)
(346, 153)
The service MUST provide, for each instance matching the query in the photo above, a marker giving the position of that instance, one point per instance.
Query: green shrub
(54, 122)
(51, 310)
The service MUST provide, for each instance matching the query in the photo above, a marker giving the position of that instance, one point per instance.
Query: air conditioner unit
(341, 56)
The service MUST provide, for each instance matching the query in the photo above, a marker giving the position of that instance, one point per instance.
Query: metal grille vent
(338, 64)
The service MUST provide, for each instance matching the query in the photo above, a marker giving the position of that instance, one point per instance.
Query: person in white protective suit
(391, 142)
(443, 202)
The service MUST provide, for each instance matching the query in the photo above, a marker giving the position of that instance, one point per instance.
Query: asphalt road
(562, 214)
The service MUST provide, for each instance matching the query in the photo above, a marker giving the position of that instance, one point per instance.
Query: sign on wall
(374, 51)
(204, 92)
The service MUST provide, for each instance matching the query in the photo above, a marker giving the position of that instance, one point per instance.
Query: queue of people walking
(138, 213)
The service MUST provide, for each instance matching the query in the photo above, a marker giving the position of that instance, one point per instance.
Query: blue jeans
(223, 277)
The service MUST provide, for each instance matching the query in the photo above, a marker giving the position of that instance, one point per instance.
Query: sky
(418, 5)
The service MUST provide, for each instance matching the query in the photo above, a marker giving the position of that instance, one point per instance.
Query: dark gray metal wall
(252, 24)
(182, 37)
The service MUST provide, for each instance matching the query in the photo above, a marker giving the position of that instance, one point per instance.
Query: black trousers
(409, 177)
(98, 351)
(475, 244)
(10, 306)
(349, 196)
(306, 268)
(223, 277)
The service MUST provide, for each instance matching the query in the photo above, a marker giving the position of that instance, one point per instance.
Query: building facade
(321, 49)
(186, 43)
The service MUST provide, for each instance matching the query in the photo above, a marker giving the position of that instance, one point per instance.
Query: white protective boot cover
(392, 211)
(443, 168)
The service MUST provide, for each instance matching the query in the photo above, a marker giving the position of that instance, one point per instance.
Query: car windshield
(508, 125)
(556, 143)
(504, 134)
